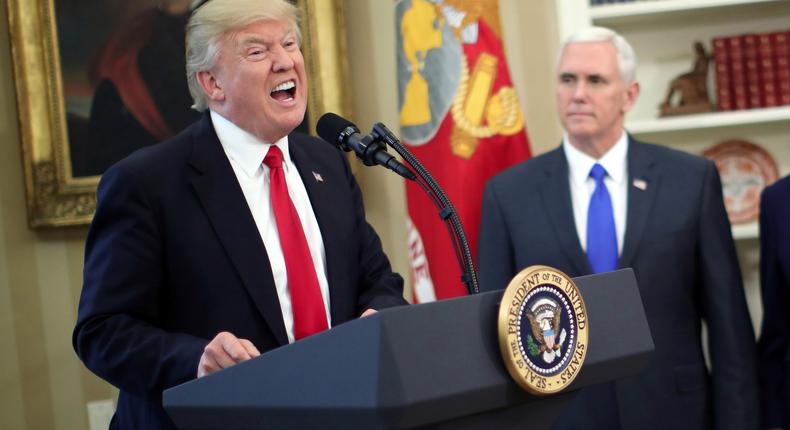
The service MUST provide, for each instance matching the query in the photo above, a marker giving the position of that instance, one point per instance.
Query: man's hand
(368, 312)
(224, 351)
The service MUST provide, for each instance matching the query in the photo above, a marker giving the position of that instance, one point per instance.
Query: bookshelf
(710, 120)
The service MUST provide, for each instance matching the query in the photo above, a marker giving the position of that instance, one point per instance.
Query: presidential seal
(543, 330)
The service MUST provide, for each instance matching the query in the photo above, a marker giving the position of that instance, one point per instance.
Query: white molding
(746, 231)
(709, 120)
(618, 12)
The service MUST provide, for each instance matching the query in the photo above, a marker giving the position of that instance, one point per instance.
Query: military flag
(460, 116)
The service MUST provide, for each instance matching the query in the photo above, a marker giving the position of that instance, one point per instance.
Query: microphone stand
(447, 211)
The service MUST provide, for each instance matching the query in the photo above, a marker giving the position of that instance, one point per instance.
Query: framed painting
(97, 79)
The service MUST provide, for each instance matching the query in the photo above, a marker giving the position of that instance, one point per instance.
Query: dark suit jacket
(173, 257)
(679, 244)
(773, 348)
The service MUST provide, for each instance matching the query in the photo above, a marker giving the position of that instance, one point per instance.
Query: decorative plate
(745, 169)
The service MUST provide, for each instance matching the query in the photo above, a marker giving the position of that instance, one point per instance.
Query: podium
(427, 366)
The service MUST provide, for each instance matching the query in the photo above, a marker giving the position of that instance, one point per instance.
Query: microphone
(371, 150)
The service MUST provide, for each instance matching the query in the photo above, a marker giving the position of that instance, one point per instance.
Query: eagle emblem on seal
(543, 330)
(544, 320)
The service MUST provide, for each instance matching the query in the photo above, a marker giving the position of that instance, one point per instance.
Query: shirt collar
(244, 148)
(614, 161)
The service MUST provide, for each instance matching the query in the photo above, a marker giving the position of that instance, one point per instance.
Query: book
(740, 97)
(721, 61)
(751, 67)
(767, 58)
(781, 43)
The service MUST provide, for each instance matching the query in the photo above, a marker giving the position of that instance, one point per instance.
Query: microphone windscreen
(330, 126)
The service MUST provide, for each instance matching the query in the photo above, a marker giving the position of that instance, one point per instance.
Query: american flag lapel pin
(318, 177)
(641, 184)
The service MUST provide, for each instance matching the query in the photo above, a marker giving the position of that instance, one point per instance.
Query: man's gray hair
(211, 21)
(626, 58)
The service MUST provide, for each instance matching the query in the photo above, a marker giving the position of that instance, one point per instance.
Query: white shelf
(746, 231)
(624, 12)
(709, 120)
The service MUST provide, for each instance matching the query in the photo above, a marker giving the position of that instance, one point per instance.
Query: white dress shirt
(582, 185)
(246, 153)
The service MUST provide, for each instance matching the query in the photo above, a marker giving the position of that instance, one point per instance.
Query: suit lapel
(318, 184)
(643, 183)
(557, 201)
(221, 197)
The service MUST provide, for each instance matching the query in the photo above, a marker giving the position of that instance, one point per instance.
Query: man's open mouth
(285, 91)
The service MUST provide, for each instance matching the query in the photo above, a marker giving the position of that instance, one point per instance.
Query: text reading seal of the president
(543, 330)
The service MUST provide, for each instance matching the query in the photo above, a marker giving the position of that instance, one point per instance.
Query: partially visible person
(774, 345)
(233, 238)
(603, 201)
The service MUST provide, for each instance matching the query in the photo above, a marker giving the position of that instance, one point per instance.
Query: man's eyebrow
(254, 39)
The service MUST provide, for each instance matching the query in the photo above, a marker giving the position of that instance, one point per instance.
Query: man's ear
(211, 86)
(631, 94)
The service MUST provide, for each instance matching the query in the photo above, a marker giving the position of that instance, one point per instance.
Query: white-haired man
(236, 236)
(603, 201)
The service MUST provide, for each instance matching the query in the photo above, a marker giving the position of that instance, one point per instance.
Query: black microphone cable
(371, 149)
(446, 209)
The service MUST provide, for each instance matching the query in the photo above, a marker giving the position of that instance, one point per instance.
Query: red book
(721, 60)
(781, 43)
(767, 56)
(752, 68)
(740, 92)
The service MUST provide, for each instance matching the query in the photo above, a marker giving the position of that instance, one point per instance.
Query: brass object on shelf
(688, 93)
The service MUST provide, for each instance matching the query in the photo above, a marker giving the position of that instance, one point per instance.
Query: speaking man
(232, 238)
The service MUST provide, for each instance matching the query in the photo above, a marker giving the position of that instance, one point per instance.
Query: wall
(531, 43)
(42, 383)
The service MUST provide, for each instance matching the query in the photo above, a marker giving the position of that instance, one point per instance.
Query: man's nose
(282, 60)
(580, 90)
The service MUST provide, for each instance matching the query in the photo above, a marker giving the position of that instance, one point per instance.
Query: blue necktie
(601, 234)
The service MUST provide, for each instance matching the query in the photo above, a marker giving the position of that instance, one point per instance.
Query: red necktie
(306, 300)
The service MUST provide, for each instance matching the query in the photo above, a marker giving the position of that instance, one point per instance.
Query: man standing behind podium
(603, 201)
(234, 237)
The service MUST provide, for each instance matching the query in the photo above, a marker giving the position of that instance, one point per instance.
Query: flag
(459, 115)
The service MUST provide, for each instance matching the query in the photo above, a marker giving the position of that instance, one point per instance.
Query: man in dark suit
(603, 201)
(234, 237)
(774, 346)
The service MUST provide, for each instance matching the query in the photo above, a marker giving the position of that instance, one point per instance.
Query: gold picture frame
(54, 197)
